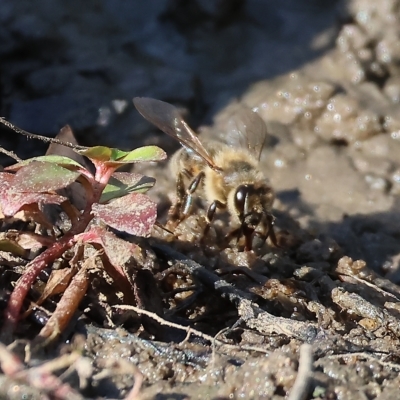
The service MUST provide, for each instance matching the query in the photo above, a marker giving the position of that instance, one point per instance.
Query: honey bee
(227, 174)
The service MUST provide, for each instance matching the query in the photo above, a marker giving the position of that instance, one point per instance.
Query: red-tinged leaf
(11, 202)
(134, 213)
(122, 183)
(59, 280)
(62, 161)
(57, 283)
(41, 176)
(6, 180)
(117, 250)
(32, 241)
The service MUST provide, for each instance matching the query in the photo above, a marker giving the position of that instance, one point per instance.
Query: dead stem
(250, 313)
(162, 321)
(39, 137)
(10, 154)
(68, 303)
(40, 377)
(25, 282)
(190, 330)
(301, 385)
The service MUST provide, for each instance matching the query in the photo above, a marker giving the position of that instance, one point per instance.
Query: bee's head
(253, 204)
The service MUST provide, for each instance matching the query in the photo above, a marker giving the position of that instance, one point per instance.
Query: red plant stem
(103, 172)
(94, 188)
(25, 282)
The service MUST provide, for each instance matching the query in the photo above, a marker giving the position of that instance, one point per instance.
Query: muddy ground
(316, 318)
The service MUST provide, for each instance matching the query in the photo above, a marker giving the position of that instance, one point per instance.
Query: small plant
(30, 184)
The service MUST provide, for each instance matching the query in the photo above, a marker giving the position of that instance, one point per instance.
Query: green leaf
(115, 157)
(146, 153)
(123, 183)
(41, 177)
(62, 161)
(117, 154)
(98, 153)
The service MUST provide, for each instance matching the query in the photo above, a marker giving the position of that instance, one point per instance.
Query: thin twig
(190, 330)
(27, 348)
(134, 393)
(301, 385)
(370, 284)
(113, 368)
(41, 377)
(61, 362)
(162, 321)
(253, 316)
(10, 154)
(213, 346)
(40, 137)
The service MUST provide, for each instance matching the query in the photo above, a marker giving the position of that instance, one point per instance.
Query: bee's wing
(247, 130)
(167, 118)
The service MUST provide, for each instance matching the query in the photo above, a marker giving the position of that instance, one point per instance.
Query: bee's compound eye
(240, 198)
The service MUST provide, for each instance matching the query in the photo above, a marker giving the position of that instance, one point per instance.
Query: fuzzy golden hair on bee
(226, 175)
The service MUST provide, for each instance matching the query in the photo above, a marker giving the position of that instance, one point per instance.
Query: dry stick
(10, 364)
(123, 367)
(213, 346)
(40, 377)
(162, 321)
(301, 384)
(27, 348)
(251, 314)
(372, 285)
(61, 362)
(134, 393)
(10, 154)
(40, 137)
(189, 330)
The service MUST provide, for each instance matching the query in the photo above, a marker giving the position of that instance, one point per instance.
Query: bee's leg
(174, 213)
(248, 237)
(271, 232)
(236, 233)
(210, 214)
(161, 226)
(183, 206)
(188, 199)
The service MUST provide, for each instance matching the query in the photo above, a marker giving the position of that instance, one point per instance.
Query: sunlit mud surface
(325, 77)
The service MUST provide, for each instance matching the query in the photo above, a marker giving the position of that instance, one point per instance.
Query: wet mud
(323, 307)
